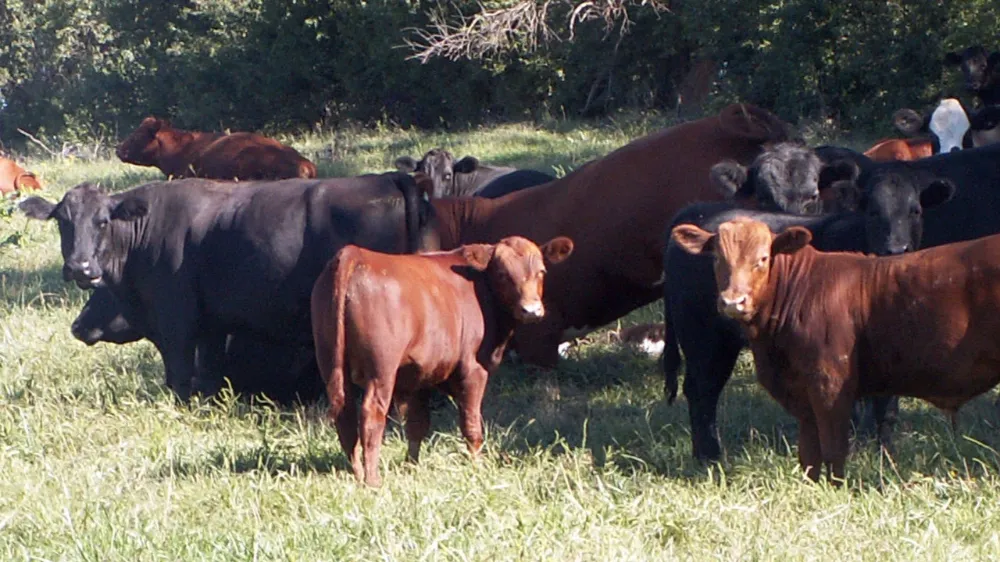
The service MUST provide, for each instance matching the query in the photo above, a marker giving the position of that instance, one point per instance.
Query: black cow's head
(785, 177)
(102, 320)
(980, 69)
(894, 201)
(441, 167)
(142, 147)
(85, 216)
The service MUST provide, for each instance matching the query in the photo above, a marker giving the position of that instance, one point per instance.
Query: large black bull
(193, 261)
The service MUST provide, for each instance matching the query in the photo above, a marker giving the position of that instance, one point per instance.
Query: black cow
(786, 176)
(981, 71)
(192, 261)
(254, 365)
(451, 178)
(514, 181)
(892, 200)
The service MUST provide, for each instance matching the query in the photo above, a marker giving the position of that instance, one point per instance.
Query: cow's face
(978, 67)
(743, 250)
(894, 204)
(142, 147)
(516, 270)
(785, 177)
(85, 217)
(438, 164)
(102, 320)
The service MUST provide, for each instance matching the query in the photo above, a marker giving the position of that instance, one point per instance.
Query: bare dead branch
(521, 26)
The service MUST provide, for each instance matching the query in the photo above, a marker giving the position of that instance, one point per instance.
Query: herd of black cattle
(219, 275)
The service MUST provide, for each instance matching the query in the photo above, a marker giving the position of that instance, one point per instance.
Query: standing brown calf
(399, 325)
(827, 328)
(194, 154)
(14, 178)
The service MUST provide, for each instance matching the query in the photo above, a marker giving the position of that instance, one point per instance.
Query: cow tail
(411, 202)
(329, 330)
(671, 356)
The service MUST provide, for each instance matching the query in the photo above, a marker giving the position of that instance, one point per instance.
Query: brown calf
(190, 154)
(827, 328)
(890, 150)
(399, 325)
(14, 178)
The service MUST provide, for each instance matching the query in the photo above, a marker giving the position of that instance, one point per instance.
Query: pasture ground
(584, 463)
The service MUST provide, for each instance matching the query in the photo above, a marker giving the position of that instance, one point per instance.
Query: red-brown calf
(190, 154)
(900, 149)
(399, 325)
(14, 178)
(827, 328)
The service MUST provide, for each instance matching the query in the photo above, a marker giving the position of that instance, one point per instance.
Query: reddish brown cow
(889, 150)
(189, 154)
(827, 328)
(14, 178)
(399, 325)
(616, 210)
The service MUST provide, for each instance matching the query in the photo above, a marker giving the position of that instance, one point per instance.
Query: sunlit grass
(583, 463)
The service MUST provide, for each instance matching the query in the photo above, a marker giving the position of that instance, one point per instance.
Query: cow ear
(466, 165)
(478, 255)
(37, 208)
(692, 239)
(129, 210)
(937, 192)
(791, 240)
(841, 170)
(406, 164)
(952, 59)
(907, 121)
(556, 250)
(728, 177)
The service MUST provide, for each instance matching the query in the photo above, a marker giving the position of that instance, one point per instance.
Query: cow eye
(102, 223)
(762, 261)
(915, 211)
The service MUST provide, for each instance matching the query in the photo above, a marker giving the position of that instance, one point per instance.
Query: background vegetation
(583, 463)
(75, 70)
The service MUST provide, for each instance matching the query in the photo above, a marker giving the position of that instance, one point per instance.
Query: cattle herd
(375, 290)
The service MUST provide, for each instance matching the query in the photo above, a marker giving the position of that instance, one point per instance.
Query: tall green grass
(583, 463)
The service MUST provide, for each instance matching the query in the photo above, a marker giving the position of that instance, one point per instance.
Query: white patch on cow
(949, 122)
(653, 348)
(564, 349)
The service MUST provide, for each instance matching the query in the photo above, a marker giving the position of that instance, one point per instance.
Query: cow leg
(345, 418)
(468, 392)
(810, 453)
(178, 366)
(709, 367)
(886, 410)
(418, 422)
(374, 409)
(831, 406)
(210, 363)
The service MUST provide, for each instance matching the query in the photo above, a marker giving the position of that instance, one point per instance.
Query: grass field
(584, 463)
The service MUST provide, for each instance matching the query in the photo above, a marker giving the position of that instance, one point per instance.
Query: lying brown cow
(890, 150)
(194, 154)
(399, 325)
(827, 328)
(616, 210)
(14, 178)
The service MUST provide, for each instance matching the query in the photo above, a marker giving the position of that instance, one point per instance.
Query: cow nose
(896, 250)
(734, 305)
(533, 309)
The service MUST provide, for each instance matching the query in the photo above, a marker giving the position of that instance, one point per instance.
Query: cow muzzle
(86, 274)
(88, 336)
(531, 312)
(735, 306)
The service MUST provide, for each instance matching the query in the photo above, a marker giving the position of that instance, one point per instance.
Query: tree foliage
(78, 69)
